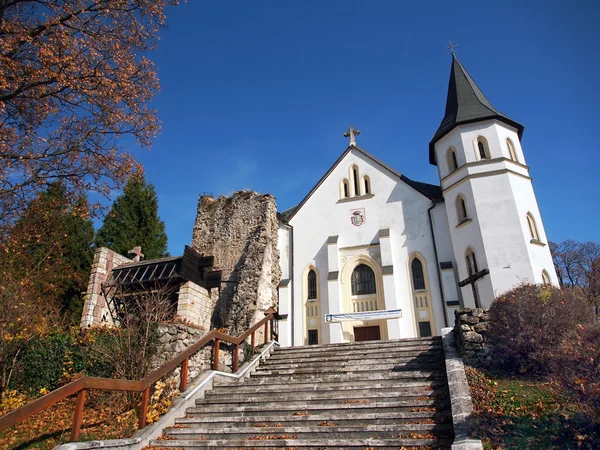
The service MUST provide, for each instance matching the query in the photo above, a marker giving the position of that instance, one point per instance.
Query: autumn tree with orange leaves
(73, 80)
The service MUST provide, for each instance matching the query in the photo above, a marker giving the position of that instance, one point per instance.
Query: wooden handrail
(84, 384)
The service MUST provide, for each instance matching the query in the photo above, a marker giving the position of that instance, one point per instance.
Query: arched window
(482, 148)
(471, 262)
(363, 280)
(367, 183)
(452, 161)
(417, 274)
(355, 181)
(345, 189)
(312, 285)
(545, 277)
(461, 208)
(511, 150)
(532, 227)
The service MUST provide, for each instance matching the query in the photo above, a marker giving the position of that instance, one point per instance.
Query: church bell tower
(497, 233)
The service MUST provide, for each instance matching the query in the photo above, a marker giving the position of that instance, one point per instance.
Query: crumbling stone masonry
(471, 333)
(241, 233)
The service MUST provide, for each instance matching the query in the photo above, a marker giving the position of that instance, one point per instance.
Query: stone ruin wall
(471, 333)
(241, 232)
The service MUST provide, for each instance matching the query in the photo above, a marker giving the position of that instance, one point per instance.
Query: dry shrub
(530, 322)
(576, 365)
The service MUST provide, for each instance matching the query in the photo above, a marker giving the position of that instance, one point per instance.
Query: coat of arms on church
(357, 217)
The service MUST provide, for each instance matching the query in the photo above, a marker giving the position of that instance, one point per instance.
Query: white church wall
(394, 206)
(539, 255)
(286, 286)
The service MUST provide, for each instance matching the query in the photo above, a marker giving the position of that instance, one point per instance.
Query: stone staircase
(378, 394)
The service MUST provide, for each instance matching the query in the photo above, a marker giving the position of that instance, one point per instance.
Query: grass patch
(522, 413)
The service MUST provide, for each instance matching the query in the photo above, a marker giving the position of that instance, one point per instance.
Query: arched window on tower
(367, 183)
(482, 148)
(511, 150)
(451, 159)
(545, 277)
(363, 280)
(461, 209)
(533, 232)
(417, 274)
(312, 285)
(471, 262)
(355, 181)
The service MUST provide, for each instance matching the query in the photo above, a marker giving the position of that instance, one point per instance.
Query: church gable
(357, 175)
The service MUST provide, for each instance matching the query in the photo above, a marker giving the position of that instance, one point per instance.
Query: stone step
(381, 363)
(362, 347)
(261, 378)
(299, 408)
(333, 356)
(399, 385)
(224, 397)
(423, 415)
(408, 341)
(333, 398)
(382, 368)
(327, 430)
(304, 443)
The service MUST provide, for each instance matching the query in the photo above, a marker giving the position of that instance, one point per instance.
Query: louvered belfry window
(363, 280)
(312, 285)
(418, 275)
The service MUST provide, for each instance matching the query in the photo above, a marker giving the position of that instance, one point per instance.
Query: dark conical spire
(466, 104)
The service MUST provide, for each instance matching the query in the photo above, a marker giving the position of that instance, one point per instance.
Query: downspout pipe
(437, 261)
(291, 263)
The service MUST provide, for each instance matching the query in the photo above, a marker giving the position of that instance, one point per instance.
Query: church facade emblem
(357, 217)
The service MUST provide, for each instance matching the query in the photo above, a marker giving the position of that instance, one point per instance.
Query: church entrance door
(367, 334)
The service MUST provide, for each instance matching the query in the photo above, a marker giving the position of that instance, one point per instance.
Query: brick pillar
(95, 310)
(195, 305)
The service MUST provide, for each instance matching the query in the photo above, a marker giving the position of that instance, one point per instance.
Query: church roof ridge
(430, 191)
(466, 103)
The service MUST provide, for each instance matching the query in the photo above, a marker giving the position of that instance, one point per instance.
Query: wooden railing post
(78, 415)
(236, 355)
(252, 343)
(184, 375)
(266, 331)
(144, 407)
(216, 354)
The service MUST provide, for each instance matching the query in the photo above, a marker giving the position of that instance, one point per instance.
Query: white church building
(370, 254)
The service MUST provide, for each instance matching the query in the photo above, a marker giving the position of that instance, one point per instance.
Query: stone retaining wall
(175, 338)
(470, 330)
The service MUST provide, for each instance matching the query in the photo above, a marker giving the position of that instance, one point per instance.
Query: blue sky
(256, 95)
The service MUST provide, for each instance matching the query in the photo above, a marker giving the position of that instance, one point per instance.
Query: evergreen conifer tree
(133, 221)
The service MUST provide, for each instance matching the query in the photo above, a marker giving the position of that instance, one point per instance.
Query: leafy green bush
(530, 322)
(50, 361)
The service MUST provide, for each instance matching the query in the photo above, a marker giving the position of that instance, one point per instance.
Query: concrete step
(326, 430)
(419, 416)
(291, 443)
(223, 397)
(334, 356)
(300, 408)
(382, 364)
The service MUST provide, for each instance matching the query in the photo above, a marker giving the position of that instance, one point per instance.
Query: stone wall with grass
(471, 334)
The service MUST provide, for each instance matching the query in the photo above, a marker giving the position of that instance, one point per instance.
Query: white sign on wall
(365, 315)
